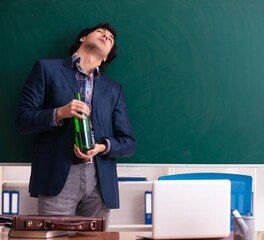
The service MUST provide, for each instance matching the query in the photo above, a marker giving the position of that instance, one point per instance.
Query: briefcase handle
(72, 226)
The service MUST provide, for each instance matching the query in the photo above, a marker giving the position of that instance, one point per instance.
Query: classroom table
(100, 236)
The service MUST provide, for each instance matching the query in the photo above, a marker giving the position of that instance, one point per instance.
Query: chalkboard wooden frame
(192, 72)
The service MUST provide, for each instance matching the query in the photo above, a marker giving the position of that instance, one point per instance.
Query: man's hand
(73, 109)
(98, 148)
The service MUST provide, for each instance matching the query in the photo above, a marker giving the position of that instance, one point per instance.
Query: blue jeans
(80, 196)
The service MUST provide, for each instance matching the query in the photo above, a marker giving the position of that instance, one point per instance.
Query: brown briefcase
(57, 222)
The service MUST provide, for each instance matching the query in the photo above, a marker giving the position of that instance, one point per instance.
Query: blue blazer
(52, 84)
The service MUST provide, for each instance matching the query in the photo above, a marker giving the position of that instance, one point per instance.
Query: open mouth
(101, 41)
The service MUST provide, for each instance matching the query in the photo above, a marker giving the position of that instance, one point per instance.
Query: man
(65, 180)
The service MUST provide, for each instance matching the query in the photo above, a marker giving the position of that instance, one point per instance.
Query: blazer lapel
(98, 91)
(69, 74)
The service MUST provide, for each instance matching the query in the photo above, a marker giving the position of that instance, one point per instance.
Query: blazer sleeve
(123, 142)
(31, 115)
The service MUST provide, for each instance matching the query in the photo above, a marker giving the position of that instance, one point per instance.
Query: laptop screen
(191, 209)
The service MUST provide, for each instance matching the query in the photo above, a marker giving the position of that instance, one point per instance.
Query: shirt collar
(76, 60)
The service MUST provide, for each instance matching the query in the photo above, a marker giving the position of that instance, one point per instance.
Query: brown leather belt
(81, 161)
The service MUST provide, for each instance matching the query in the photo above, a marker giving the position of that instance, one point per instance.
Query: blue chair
(241, 189)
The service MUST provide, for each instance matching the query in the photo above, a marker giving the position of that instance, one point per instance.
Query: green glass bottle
(83, 134)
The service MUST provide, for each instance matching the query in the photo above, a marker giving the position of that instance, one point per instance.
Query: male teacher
(66, 180)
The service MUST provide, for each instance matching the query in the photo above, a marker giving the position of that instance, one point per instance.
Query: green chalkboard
(193, 72)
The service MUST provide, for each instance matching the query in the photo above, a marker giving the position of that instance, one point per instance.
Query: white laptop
(190, 209)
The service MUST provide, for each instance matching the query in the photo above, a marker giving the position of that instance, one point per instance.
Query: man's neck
(89, 62)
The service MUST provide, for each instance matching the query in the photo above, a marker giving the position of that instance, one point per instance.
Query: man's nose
(105, 36)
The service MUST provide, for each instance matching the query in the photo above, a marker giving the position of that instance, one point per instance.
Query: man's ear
(105, 59)
(82, 39)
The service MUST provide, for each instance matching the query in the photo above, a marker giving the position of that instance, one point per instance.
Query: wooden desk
(99, 236)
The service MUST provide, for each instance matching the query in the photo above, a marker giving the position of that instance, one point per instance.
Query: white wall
(132, 195)
(259, 198)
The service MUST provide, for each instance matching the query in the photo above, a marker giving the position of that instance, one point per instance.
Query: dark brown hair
(113, 53)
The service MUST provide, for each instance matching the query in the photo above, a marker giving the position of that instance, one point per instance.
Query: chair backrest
(241, 189)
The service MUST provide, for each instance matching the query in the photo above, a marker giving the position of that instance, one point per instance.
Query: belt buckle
(89, 161)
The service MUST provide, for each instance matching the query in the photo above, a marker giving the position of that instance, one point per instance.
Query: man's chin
(96, 50)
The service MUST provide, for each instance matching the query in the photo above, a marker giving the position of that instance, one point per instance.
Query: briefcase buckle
(31, 224)
(48, 225)
(93, 225)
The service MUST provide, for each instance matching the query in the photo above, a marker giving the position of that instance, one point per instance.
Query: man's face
(100, 40)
